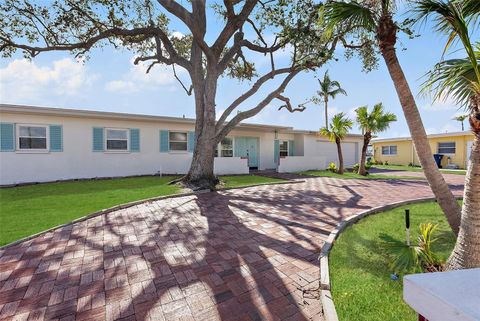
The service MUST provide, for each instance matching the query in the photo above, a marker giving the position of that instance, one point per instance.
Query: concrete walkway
(245, 254)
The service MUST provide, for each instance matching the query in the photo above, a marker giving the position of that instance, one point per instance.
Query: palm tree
(461, 118)
(371, 123)
(460, 80)
(339, 128)
(328, 88)
(374, 20)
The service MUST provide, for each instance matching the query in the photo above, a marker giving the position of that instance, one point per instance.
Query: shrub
(414, 258)
(385, 163)
(355, 167)
(332, 167)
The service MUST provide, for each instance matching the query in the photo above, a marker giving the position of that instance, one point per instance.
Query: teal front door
(247, 147)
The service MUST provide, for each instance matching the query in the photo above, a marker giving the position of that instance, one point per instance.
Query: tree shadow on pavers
(164, 260)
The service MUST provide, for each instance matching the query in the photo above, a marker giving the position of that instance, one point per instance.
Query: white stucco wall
(301, 163)
(77, 160)
(230, 165)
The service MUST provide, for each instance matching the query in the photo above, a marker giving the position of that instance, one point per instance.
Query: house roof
(38, 110)
(396, 139)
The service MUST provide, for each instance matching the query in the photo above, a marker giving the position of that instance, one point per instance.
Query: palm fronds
(453, 78)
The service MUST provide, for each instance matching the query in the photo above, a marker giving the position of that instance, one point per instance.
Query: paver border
(138, 202)
(329, 311)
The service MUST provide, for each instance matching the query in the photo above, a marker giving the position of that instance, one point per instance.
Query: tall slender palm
(371, 123)
(460, 79)
(461, 118)
(328, 88)
(374, 19)
(339, 128)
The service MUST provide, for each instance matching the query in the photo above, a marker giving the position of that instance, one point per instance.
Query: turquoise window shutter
(276, 151)
(134, 139)
(191, 141)
(164, 148)
(7, 137)
(291, 148)
(56, 138)
(98, 140)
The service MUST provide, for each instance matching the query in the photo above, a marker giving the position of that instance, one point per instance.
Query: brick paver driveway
(246, 254)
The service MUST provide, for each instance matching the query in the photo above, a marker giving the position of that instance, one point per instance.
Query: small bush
(332, 167)
(385, 163)
(355, 167)
(368, 166)
(414, 258)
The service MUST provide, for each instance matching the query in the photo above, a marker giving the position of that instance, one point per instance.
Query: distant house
(47, 144)
(455, 148)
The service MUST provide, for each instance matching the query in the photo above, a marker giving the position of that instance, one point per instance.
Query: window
(117, 139)
(283, 148)
(389, 150)
(31, 137)
(225, 147)
(178, 141)
(446, 148)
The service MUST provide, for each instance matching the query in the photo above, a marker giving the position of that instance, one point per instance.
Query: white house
(40, 144)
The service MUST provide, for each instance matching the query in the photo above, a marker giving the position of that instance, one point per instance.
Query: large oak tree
(145, 27)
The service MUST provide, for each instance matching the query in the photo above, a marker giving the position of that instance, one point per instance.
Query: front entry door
(252, 152)
(247, 147)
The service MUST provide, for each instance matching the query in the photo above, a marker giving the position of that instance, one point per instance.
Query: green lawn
(26, 210)
(418, 169)
(350, 175)
(359, 271)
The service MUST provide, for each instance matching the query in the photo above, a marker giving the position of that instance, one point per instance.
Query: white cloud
(121, 86)
(137, 79)
(178, 34)
(24, 81)
(441, 105)
(447, 128)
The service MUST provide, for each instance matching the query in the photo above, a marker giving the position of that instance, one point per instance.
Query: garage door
(350, 156)
(329, 151)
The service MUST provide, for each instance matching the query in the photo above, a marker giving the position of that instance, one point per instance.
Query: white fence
(230, 165)
(301, 163)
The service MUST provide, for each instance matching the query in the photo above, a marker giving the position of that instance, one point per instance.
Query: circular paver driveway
(245, 254)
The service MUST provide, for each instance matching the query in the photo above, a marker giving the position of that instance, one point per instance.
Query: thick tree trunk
(340, 156)
(466, 253)
(386, 34)
(363, 159)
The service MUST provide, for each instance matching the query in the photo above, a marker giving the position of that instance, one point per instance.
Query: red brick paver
(245, 254)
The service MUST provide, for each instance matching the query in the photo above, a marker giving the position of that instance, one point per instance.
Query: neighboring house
(46, 144)
(455, 148)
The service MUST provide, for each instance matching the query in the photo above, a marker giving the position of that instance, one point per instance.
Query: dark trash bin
(438, 159)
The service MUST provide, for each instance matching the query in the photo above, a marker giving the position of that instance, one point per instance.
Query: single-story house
(455, 148)
(39, 144)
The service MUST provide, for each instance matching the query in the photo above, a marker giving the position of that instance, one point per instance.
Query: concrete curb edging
(134, 203)
(326, 297)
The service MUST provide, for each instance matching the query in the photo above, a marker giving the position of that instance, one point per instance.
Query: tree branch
(258, 84)
(188, 91)
(233, 24)
(288, 105)
(255, 110)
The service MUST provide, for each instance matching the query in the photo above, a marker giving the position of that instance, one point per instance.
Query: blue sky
(108, 81)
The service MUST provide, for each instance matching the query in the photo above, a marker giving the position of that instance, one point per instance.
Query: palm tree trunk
(340, 156)
(466, 253)
(366, 140)
(326, 113)
(386, 34)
